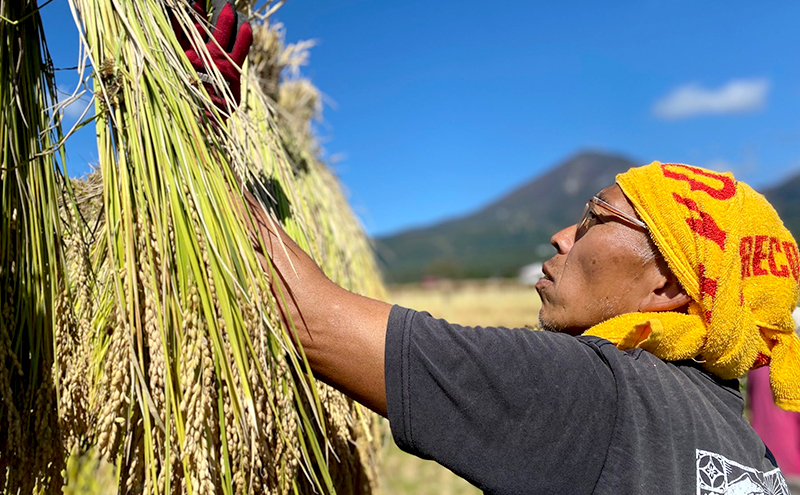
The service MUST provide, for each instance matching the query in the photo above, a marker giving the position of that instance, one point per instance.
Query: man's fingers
(252, 211)
(242, 46)
(216, 9)
(223, 29)
(230, 44)
(255, 222)
(198, 14)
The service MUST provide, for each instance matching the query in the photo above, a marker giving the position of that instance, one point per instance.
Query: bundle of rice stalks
(179, 370)
(307, 198)
(31, 262)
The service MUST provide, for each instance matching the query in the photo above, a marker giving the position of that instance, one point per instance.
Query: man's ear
(669, 296)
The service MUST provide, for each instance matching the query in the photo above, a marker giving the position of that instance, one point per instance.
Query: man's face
(603, 271)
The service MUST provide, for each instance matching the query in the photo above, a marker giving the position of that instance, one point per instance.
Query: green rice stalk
(32, 287)
(173, 368)
(197, 386)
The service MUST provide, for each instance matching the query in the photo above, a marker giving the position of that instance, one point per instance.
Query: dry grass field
(493, 302)
(473, 303)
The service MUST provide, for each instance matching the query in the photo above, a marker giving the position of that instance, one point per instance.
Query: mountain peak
(508, 233)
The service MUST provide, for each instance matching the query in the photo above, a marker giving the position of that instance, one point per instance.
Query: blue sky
(439, 107)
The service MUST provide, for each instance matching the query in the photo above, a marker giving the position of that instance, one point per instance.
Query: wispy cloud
(74, 103)
(75, 110)
(735, 96)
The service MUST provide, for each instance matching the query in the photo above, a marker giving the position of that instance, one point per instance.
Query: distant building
(530, 274)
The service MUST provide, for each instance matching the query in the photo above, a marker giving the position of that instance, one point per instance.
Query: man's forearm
(342, 334)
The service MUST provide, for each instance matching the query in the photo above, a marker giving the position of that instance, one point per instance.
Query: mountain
(507, 234)
(785, 197)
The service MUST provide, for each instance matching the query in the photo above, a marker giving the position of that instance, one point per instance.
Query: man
(654, 407)
(675, 281)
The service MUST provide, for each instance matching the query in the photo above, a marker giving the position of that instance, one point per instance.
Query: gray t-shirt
(520, 411)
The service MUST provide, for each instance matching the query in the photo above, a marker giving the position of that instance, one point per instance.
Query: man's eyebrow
(601, 196)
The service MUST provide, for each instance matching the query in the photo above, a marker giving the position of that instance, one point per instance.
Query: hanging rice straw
(188, 350)
(139, 336)
(196, 385)
(32, 266)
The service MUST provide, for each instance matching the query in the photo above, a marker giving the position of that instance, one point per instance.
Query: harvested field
(404, 474)
(494, 302)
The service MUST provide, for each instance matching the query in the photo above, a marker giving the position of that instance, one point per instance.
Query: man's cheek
(590, 271)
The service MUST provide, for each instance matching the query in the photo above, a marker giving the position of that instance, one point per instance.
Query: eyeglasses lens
(585, 215)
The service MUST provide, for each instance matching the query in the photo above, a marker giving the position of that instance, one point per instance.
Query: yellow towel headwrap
(738, 263)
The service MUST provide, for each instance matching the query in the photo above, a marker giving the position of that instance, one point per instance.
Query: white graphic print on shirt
(718, 475)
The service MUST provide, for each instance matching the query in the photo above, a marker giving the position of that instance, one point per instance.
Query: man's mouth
(546, 280)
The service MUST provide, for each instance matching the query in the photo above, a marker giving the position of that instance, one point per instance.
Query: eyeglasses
(589, 213)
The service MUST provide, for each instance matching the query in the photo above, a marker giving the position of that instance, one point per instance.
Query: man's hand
(228, 46)
(343, 334)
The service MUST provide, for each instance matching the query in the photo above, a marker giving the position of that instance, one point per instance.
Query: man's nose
(564, 239)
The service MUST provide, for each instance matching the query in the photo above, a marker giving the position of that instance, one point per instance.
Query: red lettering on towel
(708, 287)
(759, 256)
(754, 251)
(761, 360)
(775, 247)
(705, 225)
(727, 191)
(793, 257)
(746, 254)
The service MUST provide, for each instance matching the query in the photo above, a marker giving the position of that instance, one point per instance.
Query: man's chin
(551, 326)
(546, 325)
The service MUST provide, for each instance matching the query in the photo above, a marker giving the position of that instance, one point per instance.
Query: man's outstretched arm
(343, 334)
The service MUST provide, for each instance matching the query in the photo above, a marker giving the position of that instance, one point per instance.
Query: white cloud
(735, 96)
(75, 109)
(74, 103)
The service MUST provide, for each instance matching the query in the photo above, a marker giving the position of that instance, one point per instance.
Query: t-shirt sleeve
(512, 411)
